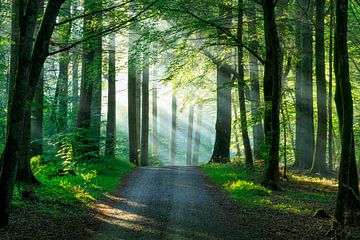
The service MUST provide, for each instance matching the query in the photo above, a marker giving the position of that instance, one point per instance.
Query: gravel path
(165, 203)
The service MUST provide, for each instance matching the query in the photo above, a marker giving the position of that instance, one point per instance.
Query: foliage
(87, 182)
(302, 194)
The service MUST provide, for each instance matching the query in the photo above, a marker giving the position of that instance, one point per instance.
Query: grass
(86, 183)
(301, 194)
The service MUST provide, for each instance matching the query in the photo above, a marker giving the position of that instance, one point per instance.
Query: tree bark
(330, 101)
(96, 71)
(258, 129)
(319, 162)
(190, 136)
(145, 113)
(154, 120)
(111, 113)
(173, 131)
(30, 62)
(272, 95)
(304, 87)
(241, 86)
(132, 106)
(348, 190)
(63, 79)
(195, 160)
(221, 152)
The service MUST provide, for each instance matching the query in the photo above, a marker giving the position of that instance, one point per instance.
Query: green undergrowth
(65, 187)
(300, 194)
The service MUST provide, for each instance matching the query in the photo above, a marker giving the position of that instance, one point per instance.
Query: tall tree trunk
(319, 162)
(241, 87)
(24, 172)
(132, 103)
(13, 51)
(97, 91)
(63, 79)
(221, 152)
(347, 202)
(145, 113)
(258, 129)
(330, 101)
(190, 136)
(272, 95)
(88, 75)
(238, 152)
(138, 109)
(111, 113)
(304, 87)
(75, 87)
(195, 160)
(173, 131)
(30, 63)
(154, 119)
(37, 112)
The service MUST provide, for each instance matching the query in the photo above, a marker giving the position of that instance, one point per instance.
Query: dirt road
(166, 203)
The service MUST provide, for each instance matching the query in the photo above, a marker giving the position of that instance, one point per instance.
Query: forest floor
(183, 203)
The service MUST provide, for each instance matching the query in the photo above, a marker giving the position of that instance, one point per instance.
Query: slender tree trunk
(241, 87)
(75, 87)
(138, 110)
(145, 113)
(258, 129)
(272, 95)
(97, 91)
(304, 87)
(330, 101)
(37, 119)
(173, 130)
(13, 52)
(319, 162)
(132, 105)
(195, 160)
(154, 119)
(238, 151)
(190, 136)
(347, 202)
(111, 113)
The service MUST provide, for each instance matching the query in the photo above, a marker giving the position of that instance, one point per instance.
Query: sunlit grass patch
(88, 183)
(301, 195)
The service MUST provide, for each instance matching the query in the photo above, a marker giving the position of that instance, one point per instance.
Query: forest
(155, 119)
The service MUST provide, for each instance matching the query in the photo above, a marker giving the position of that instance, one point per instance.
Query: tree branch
(93, 13)
(105, 32)
(225, 31)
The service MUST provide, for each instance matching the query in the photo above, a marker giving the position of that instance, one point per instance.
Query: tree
(111, 113)
(173, 131)
(330, 101)
(89, 67)
(241, 91)
(154, 118)
(61, 100)
(30, 63)
(272, 95)
(145, 113)
(96, 72)
(258, 129)
(347, 202)
(195, 160)
(304, 86)
(189, 136)
(221, 152)
(132, 105)
(319, 162)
